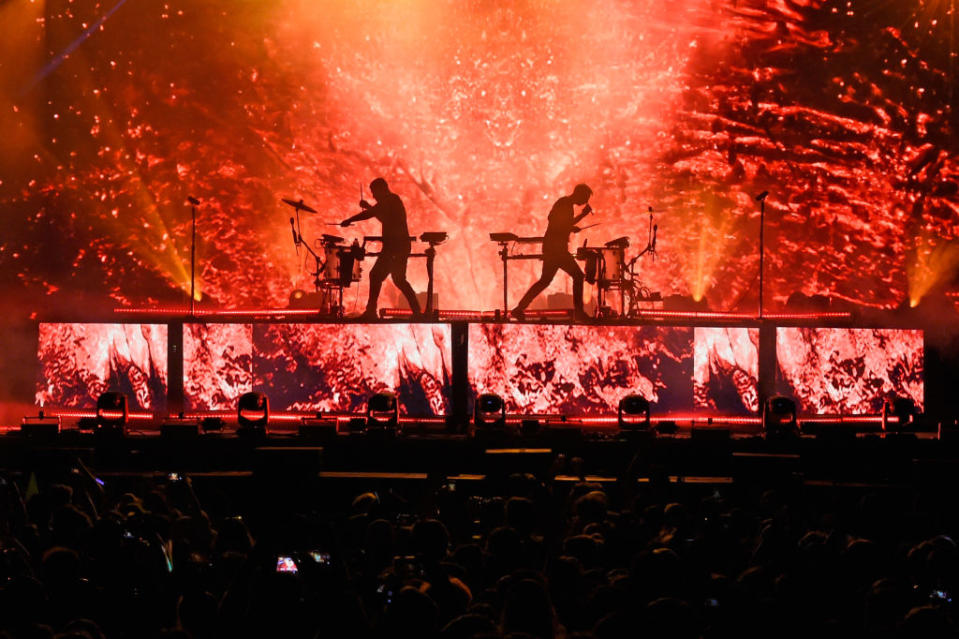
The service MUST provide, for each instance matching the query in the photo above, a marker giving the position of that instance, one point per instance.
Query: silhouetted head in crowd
(505, 548)
(528, 609)
(410, 614)
(591, 507)
(522, 556)
(469, 626)
(430, 540)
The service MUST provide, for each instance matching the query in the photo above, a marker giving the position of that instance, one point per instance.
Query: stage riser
(893, 459)
(435, 368)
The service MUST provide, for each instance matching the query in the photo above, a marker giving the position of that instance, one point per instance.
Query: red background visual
(849, 371)
(79, 362)
(480, 115)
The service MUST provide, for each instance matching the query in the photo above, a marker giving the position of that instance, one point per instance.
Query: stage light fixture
(382, 412)
(634, 413)
(300, 299)
(212, 424)
(530, 427)
(296, 297)
(40, 426)
(253, 412)
(180, 428)
(903, 409)
(779, 416)
(113, 414)
(317, 428)
(489, 412)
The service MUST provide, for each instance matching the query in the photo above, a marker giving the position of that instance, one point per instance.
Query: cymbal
(299, 206)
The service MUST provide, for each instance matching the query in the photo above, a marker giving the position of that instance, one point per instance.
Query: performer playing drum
(391, 213)
(556, 255)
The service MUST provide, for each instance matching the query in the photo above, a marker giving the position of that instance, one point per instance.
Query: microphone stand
(193, 203)
(762, 219)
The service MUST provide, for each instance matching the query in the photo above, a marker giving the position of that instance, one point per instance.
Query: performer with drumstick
(556, 255)
(391, 213)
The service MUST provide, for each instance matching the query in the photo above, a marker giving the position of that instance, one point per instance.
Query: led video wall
(845, 371)
(318, 367)
(78, 362)
(537, 369)
(586, 370)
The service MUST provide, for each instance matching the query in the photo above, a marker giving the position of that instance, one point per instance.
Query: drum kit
(605, 267)
(337, 265)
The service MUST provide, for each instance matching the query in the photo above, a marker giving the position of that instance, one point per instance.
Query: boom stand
(762, 225)
(504, 253)
(193, 203)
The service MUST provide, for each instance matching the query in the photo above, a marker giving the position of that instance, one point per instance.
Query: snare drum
(350, 269)
(331, 261)
(342, 264)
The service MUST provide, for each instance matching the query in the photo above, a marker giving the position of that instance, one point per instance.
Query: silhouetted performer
(391, 213)
(556, 255)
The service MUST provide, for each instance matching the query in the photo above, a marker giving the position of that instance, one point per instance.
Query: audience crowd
(85, 557)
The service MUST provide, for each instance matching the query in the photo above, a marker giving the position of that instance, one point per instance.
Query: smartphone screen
(285, 564)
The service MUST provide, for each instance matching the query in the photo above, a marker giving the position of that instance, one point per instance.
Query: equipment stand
(504, 253)
(762, 225)
(430, 256)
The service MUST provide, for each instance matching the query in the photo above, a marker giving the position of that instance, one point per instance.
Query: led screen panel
(585, 370)
(217, 365)
(581, 370)
(849, 371)
(79, 362)
(336, 367)
(318, 367)
(726, 370)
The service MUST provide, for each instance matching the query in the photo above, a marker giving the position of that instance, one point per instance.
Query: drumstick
(583, 228)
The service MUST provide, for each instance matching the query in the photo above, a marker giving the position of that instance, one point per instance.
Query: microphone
(192, 200)
(296, 239)
(655, 228)
(762, 196)
(587, 209)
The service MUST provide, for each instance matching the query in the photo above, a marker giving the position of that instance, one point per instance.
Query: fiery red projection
(217, 365)
(480, 114)
(849, 371)
(726, 369)
(318, 367)
(332, 368)
(581, 370)
(79, 362)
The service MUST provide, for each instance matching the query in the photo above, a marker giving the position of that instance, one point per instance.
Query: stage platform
(713, 454)
(687, 364)
(703, 373)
